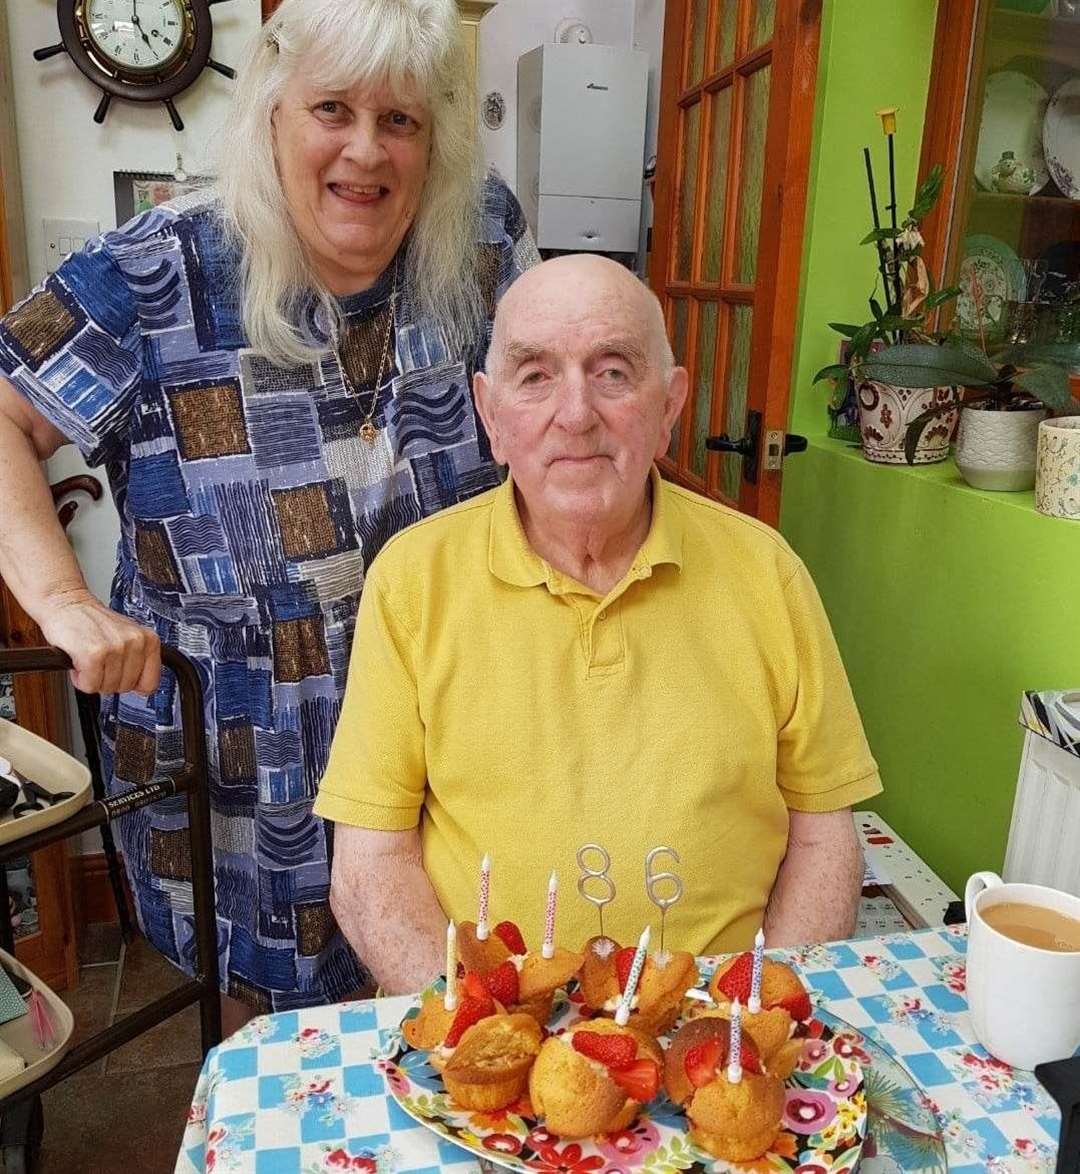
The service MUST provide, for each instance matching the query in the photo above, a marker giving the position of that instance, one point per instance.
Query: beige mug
(1024, 1000)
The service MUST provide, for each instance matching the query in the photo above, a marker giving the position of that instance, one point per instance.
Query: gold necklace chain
(368, 432)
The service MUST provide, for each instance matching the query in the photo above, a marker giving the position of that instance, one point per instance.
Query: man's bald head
(586, 284)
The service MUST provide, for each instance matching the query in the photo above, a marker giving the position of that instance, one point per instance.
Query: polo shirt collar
(513, 560)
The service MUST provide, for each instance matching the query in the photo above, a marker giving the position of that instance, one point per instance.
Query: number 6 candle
(548, 950)
(622, 1015)
(485, 893)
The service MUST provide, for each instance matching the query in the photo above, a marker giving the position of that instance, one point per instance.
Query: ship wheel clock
(137, 50)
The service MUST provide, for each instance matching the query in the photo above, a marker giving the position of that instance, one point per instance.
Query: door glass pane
(684, 250)
(716, 188)
(731, 465)
(725, 33)
(703, 394)
(695, 58)
(751, 173)
(680, 323)
(762, 26)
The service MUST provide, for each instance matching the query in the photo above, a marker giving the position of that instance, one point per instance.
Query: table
(301, 1092)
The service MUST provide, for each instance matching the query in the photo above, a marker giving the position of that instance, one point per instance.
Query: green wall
(947, 603)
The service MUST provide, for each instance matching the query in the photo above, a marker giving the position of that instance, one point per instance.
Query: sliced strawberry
(502, 983)
(750, 1060)
(797, 1006)
(624, 960)
(613, 1051)
(702, 1060)
(469, 1011)
(640, 1082)
(735, 981)
(474, 986)
(510, 936)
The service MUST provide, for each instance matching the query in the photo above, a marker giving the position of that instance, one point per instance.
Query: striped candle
(622, 1015)
(754, 1003)
(485, 893)
(734, 1069)
(450, 997)
(549, 918)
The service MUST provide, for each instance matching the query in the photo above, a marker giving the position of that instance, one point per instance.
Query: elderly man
(590, 655)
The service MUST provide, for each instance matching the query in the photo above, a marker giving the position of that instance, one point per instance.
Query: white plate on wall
(1061, 138)
(1014, 108)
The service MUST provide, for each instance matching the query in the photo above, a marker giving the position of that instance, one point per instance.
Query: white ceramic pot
(885, 411)
(1057, 468)
(996, 450)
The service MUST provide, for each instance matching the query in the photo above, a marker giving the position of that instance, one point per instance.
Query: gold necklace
(368, 432)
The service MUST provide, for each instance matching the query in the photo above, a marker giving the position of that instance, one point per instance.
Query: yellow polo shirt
(508, 709)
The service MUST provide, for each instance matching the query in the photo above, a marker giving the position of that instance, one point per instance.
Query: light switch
(66, 236)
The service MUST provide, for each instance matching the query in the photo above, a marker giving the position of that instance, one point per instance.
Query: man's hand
(111, 654)
(816, 894)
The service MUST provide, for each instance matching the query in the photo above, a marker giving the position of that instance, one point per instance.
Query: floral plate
(823, 1126)
(902, 1133)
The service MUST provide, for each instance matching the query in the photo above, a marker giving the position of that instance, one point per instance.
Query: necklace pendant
(368, 432)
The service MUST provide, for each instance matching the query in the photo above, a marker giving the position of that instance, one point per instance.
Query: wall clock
(137, 50)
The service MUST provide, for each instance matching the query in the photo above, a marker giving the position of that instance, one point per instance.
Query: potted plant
(887, 408)
(999, 420)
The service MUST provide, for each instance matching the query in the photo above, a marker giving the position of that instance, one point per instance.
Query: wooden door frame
(785, 183)
(958, 47)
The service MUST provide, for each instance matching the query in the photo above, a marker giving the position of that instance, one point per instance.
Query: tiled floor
(126, 1112)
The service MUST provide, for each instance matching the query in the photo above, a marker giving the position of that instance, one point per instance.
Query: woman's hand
(111, 654)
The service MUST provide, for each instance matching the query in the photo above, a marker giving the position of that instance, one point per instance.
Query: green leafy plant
(999, 386)
(910, 295)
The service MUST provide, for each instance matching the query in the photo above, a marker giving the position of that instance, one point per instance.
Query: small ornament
(368, 432)
(548, 949)
(653, 882)
(622, 1014)
(1011, 176)
(598, 874)
(485, 893)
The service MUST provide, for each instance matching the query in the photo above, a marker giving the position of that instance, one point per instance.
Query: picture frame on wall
(138, 191)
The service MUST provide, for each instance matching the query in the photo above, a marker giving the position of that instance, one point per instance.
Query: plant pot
(996, 450)
(885, 411)
(1057, 472)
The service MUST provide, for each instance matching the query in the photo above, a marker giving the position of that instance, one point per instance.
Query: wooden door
(736, 118)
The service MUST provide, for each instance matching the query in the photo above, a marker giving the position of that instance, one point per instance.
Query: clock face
(137, 35)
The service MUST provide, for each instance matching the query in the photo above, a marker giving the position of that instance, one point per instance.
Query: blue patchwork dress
(249, 508)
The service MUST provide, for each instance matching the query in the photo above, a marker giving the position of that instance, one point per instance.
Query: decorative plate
(1061, 138)
(1014, 106)
(902, 1133)
(991, 276)
(824, 1119)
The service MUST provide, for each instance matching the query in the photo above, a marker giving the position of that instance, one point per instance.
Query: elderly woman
(276, 375)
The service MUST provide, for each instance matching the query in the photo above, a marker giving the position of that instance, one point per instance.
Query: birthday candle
(734, 1070)
(622, 1015)
(548, 950)
(485, 893)
(754, 1003)
(450, 998)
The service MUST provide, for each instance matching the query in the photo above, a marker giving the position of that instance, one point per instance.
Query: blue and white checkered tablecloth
(301, 1092)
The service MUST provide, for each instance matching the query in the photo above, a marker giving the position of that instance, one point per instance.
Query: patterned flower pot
(886, 411)
(1057, 468)
(996, 450)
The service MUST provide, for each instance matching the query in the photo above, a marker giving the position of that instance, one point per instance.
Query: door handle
(778, 444)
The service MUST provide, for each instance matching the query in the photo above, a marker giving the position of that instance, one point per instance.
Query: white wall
(67, 163)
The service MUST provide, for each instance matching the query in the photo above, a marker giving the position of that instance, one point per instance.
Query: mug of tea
(1023, 970)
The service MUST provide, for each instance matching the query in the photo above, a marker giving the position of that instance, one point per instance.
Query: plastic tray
(18, 1033)
(50, 768)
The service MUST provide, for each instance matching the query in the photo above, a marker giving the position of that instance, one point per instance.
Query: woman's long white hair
(411, 47)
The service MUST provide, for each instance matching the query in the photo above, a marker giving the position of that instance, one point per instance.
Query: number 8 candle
(548, 950)
(485, 892)
(622, 1015)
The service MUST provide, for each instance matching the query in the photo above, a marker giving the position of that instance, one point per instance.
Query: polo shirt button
(602, 616)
